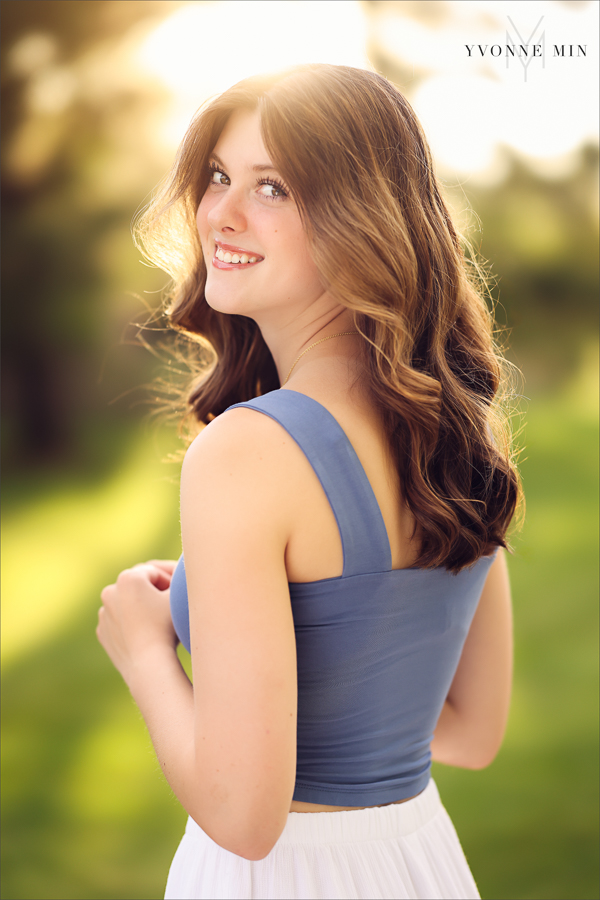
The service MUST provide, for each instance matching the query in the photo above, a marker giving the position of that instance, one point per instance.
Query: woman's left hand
(135, 618)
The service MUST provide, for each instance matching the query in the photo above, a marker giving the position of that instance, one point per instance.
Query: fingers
(166, 565)
(164, 568)
(107, 593)
(135, 578)
(159, 577)
(144, 572)
(157, 571)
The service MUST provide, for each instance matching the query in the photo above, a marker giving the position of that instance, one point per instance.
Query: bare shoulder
(238, 469)
(240, 443)
(250, 423)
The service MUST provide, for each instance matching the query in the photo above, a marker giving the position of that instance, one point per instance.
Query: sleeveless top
(377, 648)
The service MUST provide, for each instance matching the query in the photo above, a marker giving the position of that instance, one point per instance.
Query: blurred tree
(86, 813)
(80, 151)
(540, 237)
(537, 235)
(58, 145)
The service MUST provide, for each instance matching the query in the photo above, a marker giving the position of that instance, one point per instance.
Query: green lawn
(529, 823)
(86, 812)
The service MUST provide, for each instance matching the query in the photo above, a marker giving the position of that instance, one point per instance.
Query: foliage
(86, 812)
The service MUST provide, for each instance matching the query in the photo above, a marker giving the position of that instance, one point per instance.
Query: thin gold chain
(329, 336)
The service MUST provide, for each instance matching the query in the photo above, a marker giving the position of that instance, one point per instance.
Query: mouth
(228, 257)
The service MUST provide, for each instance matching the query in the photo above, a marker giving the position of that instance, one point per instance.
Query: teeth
(225, 256)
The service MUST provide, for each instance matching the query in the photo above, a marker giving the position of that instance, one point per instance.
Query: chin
(230, 303)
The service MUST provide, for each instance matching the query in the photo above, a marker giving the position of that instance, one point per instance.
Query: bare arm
(227, 746)
(473, 720)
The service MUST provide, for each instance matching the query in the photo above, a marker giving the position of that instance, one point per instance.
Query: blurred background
(96, 95)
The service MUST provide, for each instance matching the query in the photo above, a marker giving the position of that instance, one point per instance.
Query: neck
(289, 342)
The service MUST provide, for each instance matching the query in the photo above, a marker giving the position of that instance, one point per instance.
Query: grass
(86, 812)
(529, 823)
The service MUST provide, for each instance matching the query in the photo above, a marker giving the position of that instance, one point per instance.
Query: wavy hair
(352, 151)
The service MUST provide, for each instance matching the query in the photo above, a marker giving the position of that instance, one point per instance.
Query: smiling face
(255, 248)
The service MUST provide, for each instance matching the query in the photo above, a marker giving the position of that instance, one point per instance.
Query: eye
(272, 190)
(217, 176)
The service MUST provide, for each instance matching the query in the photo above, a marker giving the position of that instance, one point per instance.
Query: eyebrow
(264, 168)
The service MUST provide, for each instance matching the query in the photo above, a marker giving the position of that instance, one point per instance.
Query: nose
(227, 214)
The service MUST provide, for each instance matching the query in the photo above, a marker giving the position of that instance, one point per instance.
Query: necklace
(329, 336)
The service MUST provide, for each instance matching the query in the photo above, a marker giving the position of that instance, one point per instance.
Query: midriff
(299, 806)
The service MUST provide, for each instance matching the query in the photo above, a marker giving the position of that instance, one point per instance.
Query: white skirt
(399, 851)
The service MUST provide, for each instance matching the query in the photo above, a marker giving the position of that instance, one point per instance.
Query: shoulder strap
(362, 530)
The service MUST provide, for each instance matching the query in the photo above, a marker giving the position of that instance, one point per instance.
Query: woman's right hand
(165, 565)
(135, 616)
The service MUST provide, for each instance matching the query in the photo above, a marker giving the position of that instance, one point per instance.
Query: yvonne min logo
(525, 50)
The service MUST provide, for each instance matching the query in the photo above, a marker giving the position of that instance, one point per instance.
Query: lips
(229, 248)
(229, 257)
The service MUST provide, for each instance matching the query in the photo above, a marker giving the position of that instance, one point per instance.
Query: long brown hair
(351, 149)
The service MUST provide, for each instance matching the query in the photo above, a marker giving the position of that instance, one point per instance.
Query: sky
(473, 99)
(471, 96)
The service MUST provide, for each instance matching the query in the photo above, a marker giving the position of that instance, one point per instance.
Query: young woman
(343, 597)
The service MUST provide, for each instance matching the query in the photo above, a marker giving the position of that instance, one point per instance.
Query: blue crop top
(377, 648)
